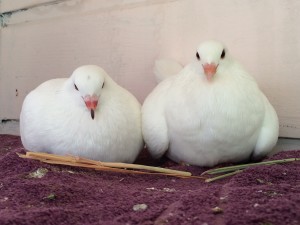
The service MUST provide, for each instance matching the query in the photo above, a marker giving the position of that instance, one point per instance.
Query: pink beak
(91, 103)
(210, 70)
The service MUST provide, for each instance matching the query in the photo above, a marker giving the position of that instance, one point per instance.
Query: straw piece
(222, 176)
(43, 155)
(243, 166)
(96, 167)
(150, 168)
(133, 166)
(107, 166)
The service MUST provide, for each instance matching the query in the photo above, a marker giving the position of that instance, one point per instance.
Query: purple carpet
(265, 195)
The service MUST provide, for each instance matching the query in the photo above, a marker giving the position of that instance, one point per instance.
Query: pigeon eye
(76, 87)
(223, 54)
(198, 56)
(103, 85)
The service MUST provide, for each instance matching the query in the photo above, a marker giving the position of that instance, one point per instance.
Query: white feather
(54, 118)
(201, 122)
(165, 68)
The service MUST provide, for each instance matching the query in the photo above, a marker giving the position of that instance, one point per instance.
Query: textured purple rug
(265, 195)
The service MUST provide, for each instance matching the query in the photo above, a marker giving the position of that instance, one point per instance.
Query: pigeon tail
(165, 68)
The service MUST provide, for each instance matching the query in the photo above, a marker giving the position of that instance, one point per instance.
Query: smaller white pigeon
(209, 112)
(86, 115)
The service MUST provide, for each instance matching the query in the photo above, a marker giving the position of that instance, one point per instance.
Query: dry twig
(105, 166)
(232, 170)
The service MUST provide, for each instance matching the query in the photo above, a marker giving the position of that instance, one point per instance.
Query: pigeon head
(211, 55)
(88, 82)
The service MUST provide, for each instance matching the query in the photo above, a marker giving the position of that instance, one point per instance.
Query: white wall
(125, 37)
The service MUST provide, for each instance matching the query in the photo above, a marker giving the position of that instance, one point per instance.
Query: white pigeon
(86, 115)
(209, 112)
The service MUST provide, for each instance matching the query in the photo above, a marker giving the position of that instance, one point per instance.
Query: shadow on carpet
(32, 193)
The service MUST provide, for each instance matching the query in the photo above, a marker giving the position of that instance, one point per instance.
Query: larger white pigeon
(87, 115)
(209, 112)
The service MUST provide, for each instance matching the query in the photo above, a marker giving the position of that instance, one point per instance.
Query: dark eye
(223, 54)
(198, 56)
(76, 87)
(103, 85)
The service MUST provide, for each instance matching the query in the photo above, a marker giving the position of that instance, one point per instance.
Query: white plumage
(166, 68)
(86, 115)
(210, 112)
